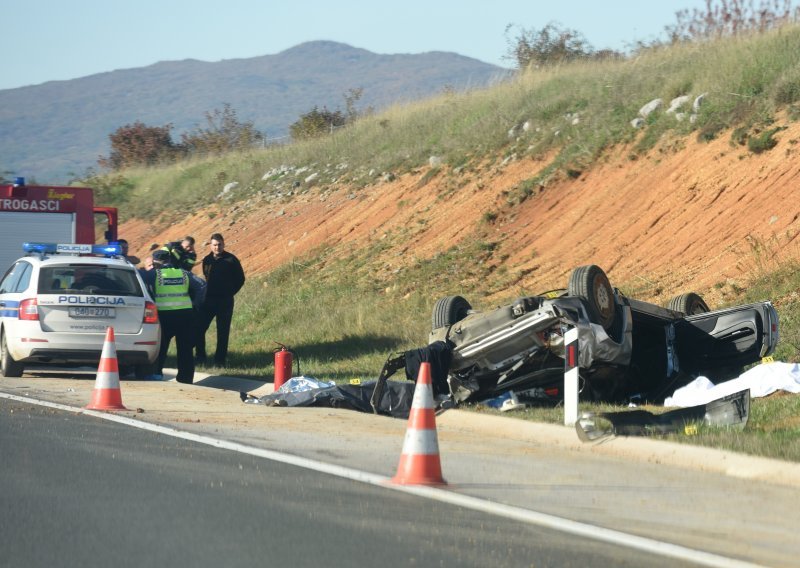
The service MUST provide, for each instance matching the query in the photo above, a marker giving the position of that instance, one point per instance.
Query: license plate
(91, 312)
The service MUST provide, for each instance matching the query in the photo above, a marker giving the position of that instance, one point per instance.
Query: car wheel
(8, 367)
(141, 372)
(591, 283)
(688, 304)
(449, 310)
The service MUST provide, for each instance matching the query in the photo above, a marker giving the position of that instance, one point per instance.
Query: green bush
(787, 91)
(316, 123)
(763, 142)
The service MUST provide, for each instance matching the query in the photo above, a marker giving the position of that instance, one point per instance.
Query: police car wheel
(8, 367)
(142, 371)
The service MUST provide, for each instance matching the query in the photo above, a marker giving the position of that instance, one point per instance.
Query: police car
(57, 302)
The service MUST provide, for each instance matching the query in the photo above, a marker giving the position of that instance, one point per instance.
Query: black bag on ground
(439, 354)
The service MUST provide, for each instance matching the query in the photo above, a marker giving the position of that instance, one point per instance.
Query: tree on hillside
(224, 132)
(317, 122)
(550, 45)
(139, 145)
(109, 189)
(722, 18)
(351, 98)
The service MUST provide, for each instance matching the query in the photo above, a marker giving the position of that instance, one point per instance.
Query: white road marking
(443, 495)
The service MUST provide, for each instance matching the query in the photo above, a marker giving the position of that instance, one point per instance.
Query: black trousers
(222, 310)
(182, 325)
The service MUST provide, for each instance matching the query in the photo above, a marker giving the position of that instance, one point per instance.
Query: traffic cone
(107, 395)
(419, 462)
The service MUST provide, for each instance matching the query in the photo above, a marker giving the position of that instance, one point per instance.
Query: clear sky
(45, 40)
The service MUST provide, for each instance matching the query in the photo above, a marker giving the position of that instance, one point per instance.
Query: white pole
(571, 377)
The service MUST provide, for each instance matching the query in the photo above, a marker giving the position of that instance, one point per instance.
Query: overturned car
(626, 348)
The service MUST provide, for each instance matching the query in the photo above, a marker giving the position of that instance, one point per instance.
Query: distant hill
(58, 129)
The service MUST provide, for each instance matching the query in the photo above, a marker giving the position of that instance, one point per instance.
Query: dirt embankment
(702, 217)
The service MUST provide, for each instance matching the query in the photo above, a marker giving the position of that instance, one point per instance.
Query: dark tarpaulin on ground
(395, 400)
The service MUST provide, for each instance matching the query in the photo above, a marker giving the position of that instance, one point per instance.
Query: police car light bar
(72, 248)
(108, 250)
(38, 247)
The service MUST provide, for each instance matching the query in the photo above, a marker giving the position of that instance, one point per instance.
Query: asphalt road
(79, 491)
(504, 475)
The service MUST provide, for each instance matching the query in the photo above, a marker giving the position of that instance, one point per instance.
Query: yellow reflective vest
(172, 289)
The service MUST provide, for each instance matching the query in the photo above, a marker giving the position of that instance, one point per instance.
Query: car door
(720, 343)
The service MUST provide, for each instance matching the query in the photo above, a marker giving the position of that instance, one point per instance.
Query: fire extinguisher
(283, 366)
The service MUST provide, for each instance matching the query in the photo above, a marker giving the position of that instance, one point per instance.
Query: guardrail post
(571, 376)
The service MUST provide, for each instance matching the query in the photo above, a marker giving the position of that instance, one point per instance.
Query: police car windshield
(89, 279)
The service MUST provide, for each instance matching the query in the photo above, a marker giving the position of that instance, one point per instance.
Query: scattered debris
(732, 410)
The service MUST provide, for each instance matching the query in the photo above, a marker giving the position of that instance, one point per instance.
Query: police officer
(182, 252)
(174, 290)
(123, 244)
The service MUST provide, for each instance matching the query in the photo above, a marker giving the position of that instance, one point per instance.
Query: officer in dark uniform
(174, 289)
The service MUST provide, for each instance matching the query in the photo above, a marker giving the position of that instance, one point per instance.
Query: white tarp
(762, 380)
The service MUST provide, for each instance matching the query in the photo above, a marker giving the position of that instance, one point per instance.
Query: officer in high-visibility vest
(183, 253)
(174, 291)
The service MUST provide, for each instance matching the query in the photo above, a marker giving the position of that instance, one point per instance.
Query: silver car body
(646, 348)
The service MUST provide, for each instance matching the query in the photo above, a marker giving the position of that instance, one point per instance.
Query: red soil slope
(701, 217)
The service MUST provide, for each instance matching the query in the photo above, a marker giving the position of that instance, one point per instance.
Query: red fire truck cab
(47, 213)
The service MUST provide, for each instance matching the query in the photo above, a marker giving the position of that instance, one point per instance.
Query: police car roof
(64, 259)
(74, 250)
(70, 253)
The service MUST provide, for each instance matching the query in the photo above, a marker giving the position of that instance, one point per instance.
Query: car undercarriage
(626, 348)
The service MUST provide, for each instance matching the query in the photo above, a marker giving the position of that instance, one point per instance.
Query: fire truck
(48, 213)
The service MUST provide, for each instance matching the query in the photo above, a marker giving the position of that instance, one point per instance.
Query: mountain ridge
(58, 129)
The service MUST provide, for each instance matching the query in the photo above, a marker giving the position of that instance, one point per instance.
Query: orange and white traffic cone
(107, 394)
(419, 462)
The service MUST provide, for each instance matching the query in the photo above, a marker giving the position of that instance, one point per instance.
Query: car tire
(449, 310)
(689, 304)
(142, 372)
(8, 367)
(591, 283)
